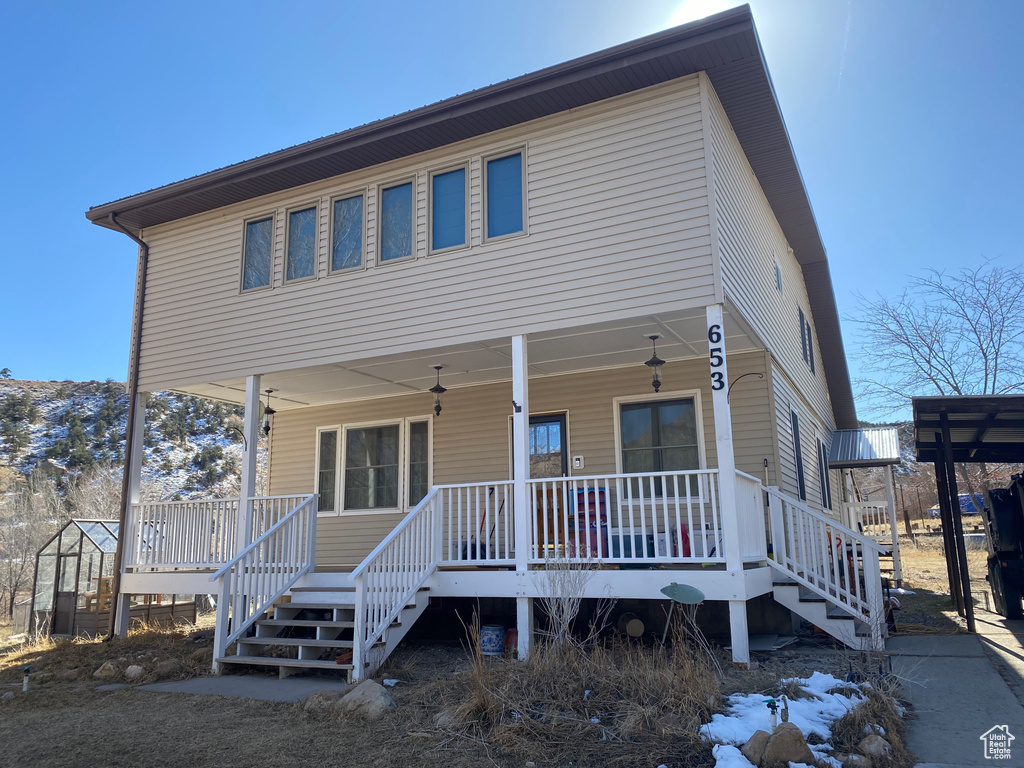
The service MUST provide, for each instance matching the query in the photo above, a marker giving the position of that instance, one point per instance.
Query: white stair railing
(829, 559)
(391, 575)
(255, 578)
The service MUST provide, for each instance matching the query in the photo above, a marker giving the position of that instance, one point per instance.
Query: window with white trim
(660, 435)
(503, 199)
(382, 467)
(346, 233)
(448, 209)
(258, 253)
(801, 482)
(300, 256)
(396, 221)
(825, 480)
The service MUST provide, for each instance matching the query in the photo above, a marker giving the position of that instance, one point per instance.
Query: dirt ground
(71, 723)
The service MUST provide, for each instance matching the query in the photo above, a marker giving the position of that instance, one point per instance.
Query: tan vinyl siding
(617, 215)
(812, 429)
(750, 243)
(471, 437)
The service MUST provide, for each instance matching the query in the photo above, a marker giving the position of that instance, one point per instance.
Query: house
(582, 316)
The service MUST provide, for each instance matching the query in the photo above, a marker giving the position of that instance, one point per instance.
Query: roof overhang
(871, 447)
(982, 428)
(724, 45)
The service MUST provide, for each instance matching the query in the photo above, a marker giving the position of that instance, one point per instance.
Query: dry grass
(924, 571)
(883, 709)
(599, 704)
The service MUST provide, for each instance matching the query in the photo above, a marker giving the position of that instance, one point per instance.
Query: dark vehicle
(1005, 517)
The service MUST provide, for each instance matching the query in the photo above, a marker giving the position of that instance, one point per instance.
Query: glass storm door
(549, 455)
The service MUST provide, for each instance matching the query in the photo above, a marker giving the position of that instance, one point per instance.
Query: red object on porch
(592, 502)
(683, 545)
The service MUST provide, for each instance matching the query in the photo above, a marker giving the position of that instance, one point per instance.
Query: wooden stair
(822, 613)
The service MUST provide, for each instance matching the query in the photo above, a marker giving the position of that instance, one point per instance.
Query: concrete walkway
(959, 693)
(262, 687)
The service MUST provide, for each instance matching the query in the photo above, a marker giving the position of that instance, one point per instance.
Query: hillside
(192, 445)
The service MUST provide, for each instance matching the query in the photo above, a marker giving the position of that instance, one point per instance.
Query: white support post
(727, 479)
(250, 441)
(133, 466)
(521, 473)
(894, 532)
(359, 648)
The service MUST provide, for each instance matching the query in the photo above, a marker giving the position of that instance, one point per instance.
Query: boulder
(202, 655)
(875, 746)
(108, 671)
(68, 675)
(369, 699)
(320, 701)
(754, 748)
(787, 745)
(134, 672)
(168, 668)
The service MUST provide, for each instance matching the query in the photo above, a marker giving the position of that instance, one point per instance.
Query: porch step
(296, 642)
(306, 623)
(822, 613)
(290, 664)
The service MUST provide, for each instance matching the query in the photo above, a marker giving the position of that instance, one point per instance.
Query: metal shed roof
(725, 46)
(870, 447)
(981, 427)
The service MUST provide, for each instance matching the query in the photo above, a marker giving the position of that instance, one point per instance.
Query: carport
(969, 429)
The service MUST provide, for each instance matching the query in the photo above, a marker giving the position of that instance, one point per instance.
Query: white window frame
(412, 179)
(315, 205)
(484, 159)
(272, 215)
(655, 397)
(799, 470)
(462, 166)
(364, 193)
(404, 429)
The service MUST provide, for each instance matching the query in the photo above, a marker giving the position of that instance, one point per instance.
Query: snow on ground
(747, 712)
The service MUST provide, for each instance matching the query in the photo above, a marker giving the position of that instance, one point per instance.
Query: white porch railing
(477, 523)
(180, 534)
(750, 508)
(828, 558)
(391, 575)
(256, 577)
(877, 520)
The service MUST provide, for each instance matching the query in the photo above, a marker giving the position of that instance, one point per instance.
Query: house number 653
(715, 355)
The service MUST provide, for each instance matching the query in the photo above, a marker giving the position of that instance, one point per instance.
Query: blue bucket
(492, 639)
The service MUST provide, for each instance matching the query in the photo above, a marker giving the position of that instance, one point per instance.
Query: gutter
(129, 437)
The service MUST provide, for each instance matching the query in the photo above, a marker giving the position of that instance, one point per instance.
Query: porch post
(890, 498)
(727, 482)
(521, 473)
(133, 466)
(250, 439)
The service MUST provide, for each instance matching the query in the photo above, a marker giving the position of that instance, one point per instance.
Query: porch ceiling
(569, 350)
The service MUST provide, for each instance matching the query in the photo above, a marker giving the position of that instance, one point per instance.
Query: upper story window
(801, 482)
(823, 477)
(778, 277)
(396, 222)
(347, 233)
(300, 258)
(258, 253)
(448, 209)
(806, 339)
(504, 200)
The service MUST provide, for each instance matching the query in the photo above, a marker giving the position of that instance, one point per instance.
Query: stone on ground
(754, 748)
(108, 671)
(7, 696)
(134, 672)
(320, 701)
(202, 655)
(368, 699)
(167, 668)
(875, 746)
(787, 745)
(852, 761)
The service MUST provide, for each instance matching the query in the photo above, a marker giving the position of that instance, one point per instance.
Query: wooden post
(952, 566)
(958, 523)
(727, 480)
(520, 474)
(250, 441)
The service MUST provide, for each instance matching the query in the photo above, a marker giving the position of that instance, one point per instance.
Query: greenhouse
(74, 580)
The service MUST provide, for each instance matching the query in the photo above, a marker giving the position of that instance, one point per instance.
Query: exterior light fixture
(438, 390)
(268, 414)
(655, 363)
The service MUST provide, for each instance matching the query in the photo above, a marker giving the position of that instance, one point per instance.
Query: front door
(549, 449)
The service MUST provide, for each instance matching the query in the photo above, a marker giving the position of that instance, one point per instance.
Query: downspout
(129, 448)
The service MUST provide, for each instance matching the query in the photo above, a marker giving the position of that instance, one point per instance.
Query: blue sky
(906, 118)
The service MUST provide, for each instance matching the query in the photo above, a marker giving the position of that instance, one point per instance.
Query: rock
(67, 675)
(320, 701)
(875, 746)
(874, 730)
(108, 671)
(134, 672)
(754, 748)
(41, 677)
(202, 655)
(444, 719)
(368, 699)
(167, 668)
(852, 761)
(7, 696)
(787, 745)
